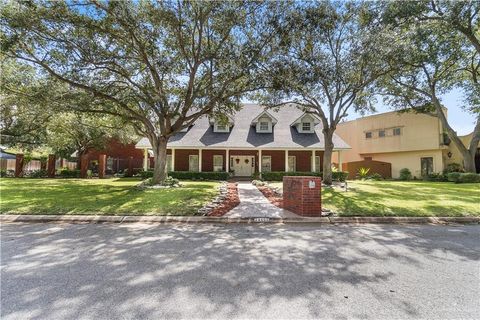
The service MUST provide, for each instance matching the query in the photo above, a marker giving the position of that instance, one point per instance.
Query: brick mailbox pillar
(51, 166)
(19, 159)
(302, 195)
(102, 163)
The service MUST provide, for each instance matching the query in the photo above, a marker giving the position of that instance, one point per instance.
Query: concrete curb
(206, 219)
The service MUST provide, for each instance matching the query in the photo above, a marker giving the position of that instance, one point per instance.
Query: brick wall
(300, 198)
(303, 160)
(181, 158)
(207, 159)
(278, 159)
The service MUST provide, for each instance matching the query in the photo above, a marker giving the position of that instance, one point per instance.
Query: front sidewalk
(207, 219)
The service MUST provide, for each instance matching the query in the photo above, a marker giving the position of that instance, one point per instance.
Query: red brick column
(302, 195)
(130, 167)
(83, 166)
(51, 166)
(19, 165)
(102, 163)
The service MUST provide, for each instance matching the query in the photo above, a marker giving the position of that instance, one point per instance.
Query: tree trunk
(327, 157)
(468, 157)
(160, 159)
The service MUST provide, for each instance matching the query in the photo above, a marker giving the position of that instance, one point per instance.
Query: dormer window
(220, 127)
(264, 122)
(221, 124)
(306, 126)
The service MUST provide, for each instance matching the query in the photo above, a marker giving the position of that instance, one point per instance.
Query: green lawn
(398, 198)
(106, 196)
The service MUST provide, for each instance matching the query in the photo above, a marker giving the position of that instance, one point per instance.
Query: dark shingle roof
(244, 135)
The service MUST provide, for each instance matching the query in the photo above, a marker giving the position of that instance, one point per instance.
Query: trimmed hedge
(435, 177)
(66, 173)
(459, 177)
(188, 175)
(278, 175)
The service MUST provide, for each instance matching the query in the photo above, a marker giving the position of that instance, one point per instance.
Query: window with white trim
(306, 126)
(317, 164)
(168, 167)
(263, 126)
(266, 163)
(220, 127)
(218, 162)
(193, 163)
(397, 131)
(292, 163)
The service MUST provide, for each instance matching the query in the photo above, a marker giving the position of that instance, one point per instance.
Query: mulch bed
(273, 197)
(231, 201)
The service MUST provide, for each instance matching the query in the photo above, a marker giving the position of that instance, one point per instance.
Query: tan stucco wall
(456, 156)
(420, 137)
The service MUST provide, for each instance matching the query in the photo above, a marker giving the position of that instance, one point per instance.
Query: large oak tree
(161, 65)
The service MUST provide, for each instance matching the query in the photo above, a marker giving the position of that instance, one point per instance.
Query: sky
(459, 120)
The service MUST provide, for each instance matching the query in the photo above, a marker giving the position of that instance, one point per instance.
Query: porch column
(260, 162)
(286, 160)
(145, 159)
(227, 161)
(313, 161)
(199, 160)
(173, 159)
(340, 160)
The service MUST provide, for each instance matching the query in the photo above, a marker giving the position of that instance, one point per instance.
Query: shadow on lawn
(117, 271)
(116, 196)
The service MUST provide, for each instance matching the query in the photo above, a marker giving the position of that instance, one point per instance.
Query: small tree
(330, 56)
(159, 65)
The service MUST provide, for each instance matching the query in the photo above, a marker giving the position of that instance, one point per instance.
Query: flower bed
(275, 198)
(230, 201)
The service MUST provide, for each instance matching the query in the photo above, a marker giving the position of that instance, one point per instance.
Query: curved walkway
(253, 204)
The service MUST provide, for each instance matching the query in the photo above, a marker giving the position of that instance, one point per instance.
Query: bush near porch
(190, 175)
(402, 198)
(278, 175)
(101, 196)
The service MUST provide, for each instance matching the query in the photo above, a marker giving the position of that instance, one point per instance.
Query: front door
(243, 166)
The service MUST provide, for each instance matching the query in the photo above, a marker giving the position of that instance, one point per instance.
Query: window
(426, 165)
(381, 133)
(292, 164)
(169, 163)
(266, 163)
(317, 164)
(220, 127)
(193, 163)
(368, 135)
(397, 131)
(218, 162)
(306, 126)
(263, 126)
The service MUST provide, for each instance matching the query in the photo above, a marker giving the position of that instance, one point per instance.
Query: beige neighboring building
(406, 140)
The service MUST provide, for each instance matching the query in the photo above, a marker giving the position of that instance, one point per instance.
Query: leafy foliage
(405, 174)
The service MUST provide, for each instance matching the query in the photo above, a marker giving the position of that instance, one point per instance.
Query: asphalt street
(152, 271)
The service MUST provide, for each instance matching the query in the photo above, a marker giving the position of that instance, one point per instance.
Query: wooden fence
(382, 168)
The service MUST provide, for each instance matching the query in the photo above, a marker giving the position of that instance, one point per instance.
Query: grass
(398, 198)
(106, 196)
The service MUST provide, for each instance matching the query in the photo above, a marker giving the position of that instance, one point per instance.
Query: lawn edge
(7, 218)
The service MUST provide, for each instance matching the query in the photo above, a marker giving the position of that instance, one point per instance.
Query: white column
(199, 160)
(339, 160)
(260, 162)
(286, 160)
(173, 159)
(313, 161)
(145, 159)
(227, 160)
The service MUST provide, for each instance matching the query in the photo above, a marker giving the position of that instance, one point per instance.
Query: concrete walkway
(253, 204)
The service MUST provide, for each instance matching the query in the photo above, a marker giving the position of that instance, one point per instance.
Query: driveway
(151, 271)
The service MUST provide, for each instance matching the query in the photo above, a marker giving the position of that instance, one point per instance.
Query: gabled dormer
(306, 123)
(221, 124)
(264, 122)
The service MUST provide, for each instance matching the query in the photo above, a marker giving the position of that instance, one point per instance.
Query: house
(405, 140)
(253, 140)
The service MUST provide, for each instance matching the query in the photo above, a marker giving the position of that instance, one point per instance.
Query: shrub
(453, 167)
(438, 177)
(375, 176)
(459, 177)
(3, 173)
(405, 174)
(188, 175)
(67, 173)
(278, 175)
(363, 173)
(171, 182)
(36, 174)
(339, 176)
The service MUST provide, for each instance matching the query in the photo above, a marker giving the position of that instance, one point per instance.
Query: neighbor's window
(306, 126)
(217, 162)
(381, 133)
(368, 135)
(263, 126)
(397, 131)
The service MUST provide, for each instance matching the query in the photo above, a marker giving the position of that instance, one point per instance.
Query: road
(151, 271)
